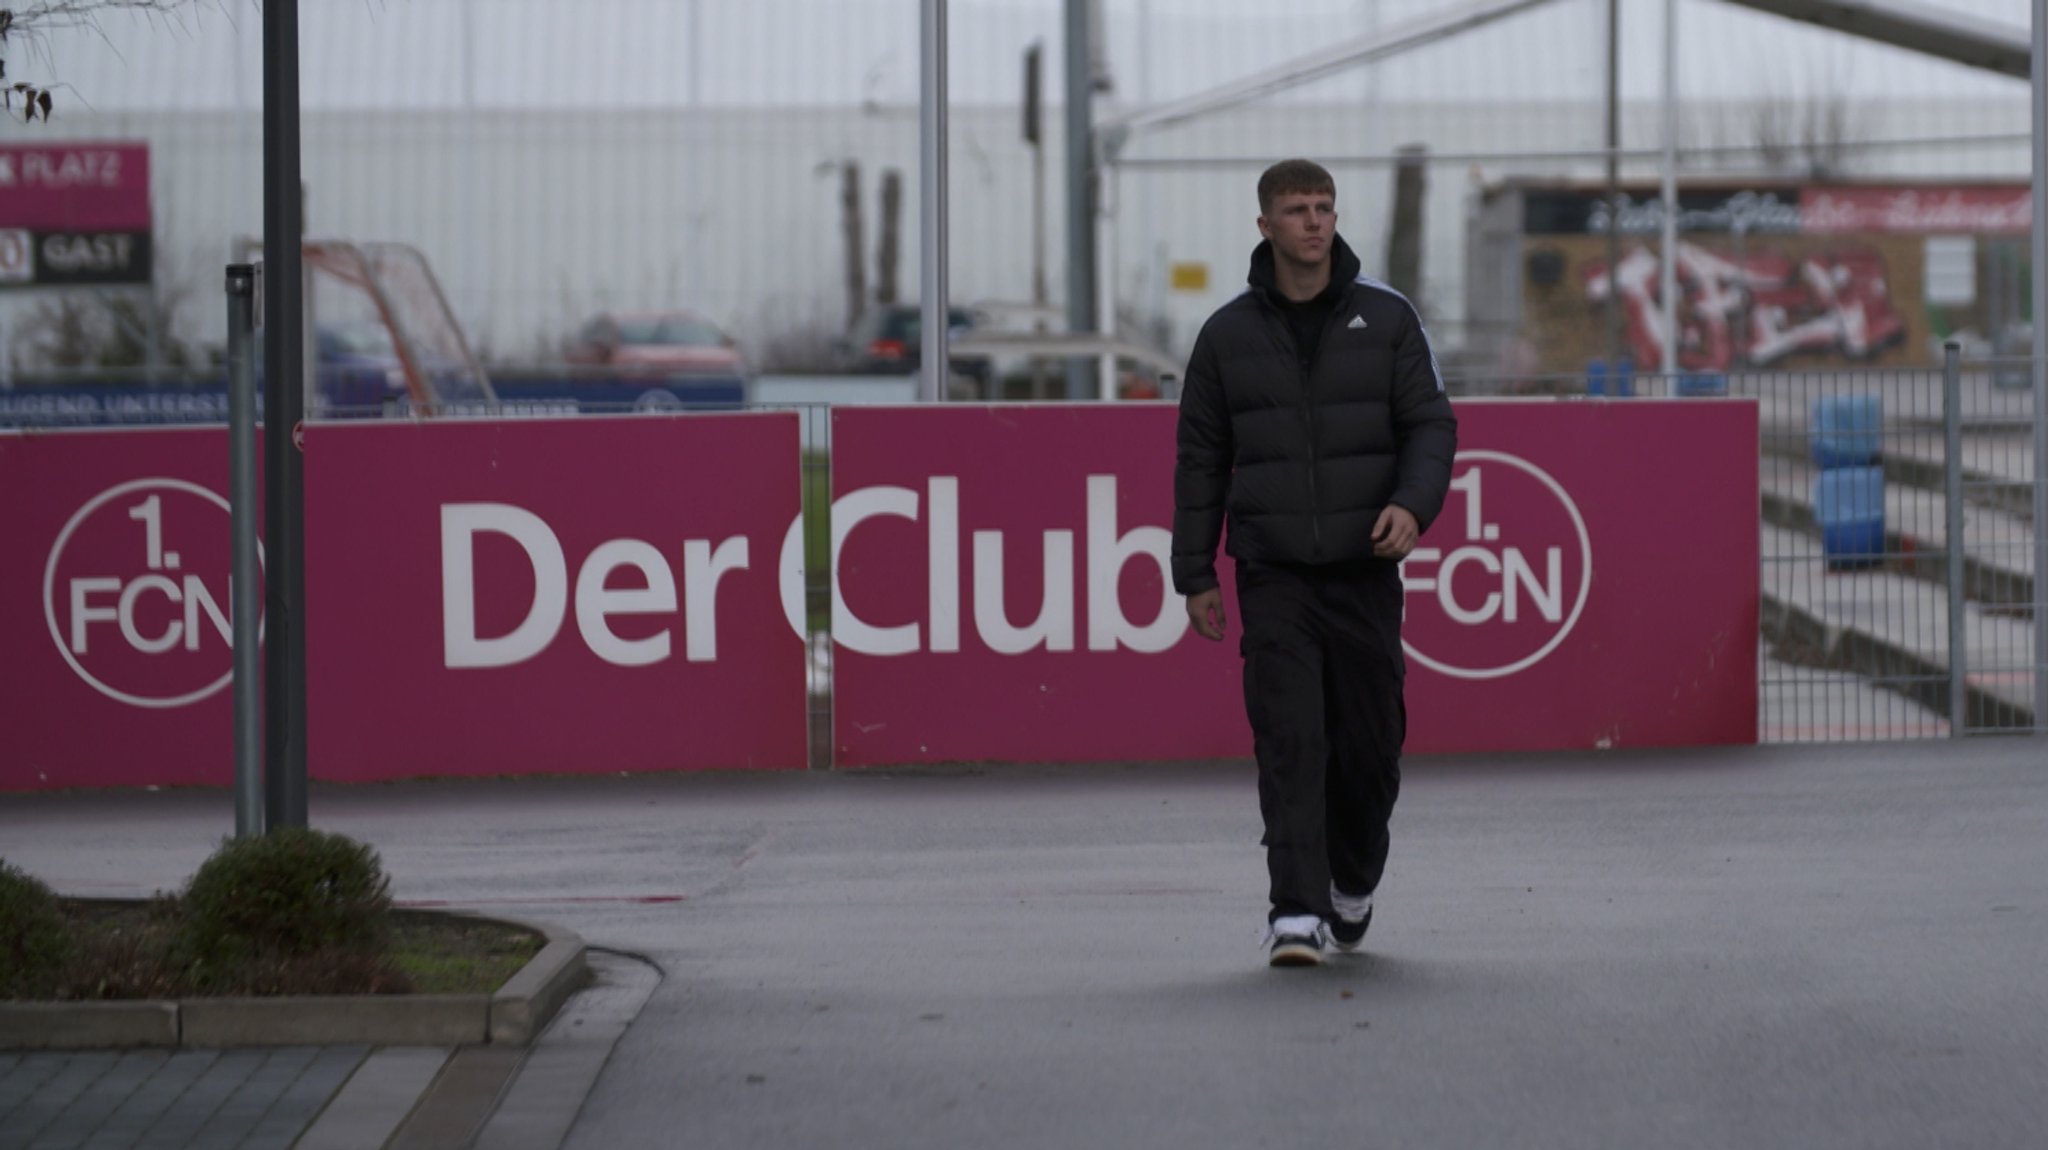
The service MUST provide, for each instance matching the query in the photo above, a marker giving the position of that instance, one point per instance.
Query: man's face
(1301, 226)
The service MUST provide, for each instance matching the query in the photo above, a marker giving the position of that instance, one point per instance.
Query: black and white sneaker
(1347, 935)
(1297, 940)
(1354, 916)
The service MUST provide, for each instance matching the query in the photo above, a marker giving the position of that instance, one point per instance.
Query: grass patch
(445, 955)
(128, 950)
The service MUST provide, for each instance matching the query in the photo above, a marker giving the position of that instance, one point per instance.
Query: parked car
(889, 340)
(358, 372)
(673, 342)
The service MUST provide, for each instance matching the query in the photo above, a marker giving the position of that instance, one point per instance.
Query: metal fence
(1865, 477)
(1898, 552)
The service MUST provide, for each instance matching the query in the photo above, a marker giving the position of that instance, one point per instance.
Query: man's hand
(1394, 536)
(1205, 611)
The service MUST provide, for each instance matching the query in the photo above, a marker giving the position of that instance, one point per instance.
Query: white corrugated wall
(553, 159)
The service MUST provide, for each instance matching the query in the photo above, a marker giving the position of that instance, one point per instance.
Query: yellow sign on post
(1190, 277)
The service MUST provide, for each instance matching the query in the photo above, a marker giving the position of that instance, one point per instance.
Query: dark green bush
(35, 940)
(286, 895)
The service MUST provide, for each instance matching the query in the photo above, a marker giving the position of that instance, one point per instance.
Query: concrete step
(1998, 548)
(1997, 471)
(1892, 629)
(1798, 704)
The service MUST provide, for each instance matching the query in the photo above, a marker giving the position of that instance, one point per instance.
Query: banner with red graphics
(2006, 209)
(1001, 594)
(552, 596)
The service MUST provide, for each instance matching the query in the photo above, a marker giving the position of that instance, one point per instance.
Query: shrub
(35, 940)
(263, 901)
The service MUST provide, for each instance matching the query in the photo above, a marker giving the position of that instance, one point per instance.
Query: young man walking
(1313, 418)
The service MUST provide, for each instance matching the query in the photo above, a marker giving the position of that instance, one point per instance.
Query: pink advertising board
(1002, 591)
(552, 596)
(482, 598)
(626, 594)
(115, 609)
(75, 186)
(1593, 581)
(1001, 594)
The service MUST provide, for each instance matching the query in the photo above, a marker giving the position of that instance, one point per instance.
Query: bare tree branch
(31, 23)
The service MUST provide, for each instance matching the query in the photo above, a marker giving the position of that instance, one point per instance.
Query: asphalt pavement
(1834, 946)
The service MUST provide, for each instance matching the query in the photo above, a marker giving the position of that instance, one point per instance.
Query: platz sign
(74, 214)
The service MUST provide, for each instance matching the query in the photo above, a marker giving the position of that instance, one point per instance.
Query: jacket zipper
(1308, 417)
(1315, 497)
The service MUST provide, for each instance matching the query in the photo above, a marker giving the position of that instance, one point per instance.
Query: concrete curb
(529, 999)
(87, 1025)
(513, 1016)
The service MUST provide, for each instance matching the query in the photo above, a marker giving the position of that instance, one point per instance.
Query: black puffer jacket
(1304, 459)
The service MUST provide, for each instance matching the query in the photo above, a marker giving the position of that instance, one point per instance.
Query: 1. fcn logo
(1510, 580)
(136, 593)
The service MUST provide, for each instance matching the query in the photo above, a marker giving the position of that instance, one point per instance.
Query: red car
(670, 342)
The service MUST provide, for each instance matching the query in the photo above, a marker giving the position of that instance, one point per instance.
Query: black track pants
(1323, 677)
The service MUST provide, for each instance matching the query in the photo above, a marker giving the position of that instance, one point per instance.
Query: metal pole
(152, 336)
(696, 23)
(933, 183)
(1041, 295)
(1613, 316)
(1958, 648)
(693, 173)
(284, 396)
(1105, 275)
(472, 249)
(1034, 66)
(1668, 284)
(244, 597)
(1080, 188)
(2040, 371)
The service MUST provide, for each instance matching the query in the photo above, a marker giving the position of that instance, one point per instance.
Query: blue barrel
(1616, 379)
(1845, 430)
(1849, 503)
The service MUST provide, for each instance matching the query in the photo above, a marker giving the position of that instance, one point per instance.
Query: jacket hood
(1344, 268)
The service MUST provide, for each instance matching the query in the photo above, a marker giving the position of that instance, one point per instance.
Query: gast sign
(74, 213)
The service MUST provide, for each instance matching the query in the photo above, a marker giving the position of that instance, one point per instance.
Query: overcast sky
(612, 53)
